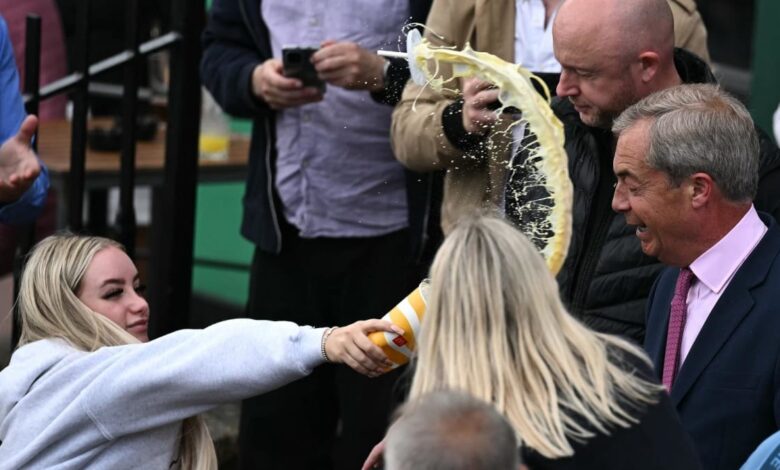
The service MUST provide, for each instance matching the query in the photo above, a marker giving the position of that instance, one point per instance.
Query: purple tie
(676, 327)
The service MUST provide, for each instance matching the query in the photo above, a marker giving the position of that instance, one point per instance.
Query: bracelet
(325, 337)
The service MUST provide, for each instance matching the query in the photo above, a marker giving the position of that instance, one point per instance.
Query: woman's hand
(375, 457)
(350, 345)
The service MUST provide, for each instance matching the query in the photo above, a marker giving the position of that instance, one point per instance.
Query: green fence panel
(765, 89)
(217, 223)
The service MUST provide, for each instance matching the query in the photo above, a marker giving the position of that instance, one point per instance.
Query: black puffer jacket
(606, 277)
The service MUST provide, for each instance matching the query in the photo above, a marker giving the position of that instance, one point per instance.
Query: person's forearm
(417, 134)
(229, 56)
(191, 371)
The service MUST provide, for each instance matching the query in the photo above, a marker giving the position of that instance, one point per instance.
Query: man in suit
(687, 170)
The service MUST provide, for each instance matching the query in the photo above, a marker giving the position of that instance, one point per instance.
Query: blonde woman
(86, 389)
(495, 328)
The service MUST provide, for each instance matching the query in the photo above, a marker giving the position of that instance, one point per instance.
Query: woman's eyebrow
(111, 281)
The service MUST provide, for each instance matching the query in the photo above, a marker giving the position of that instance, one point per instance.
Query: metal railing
(171, 251)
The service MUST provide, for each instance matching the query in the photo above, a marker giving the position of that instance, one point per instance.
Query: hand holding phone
(280, 92)
(347, 65)
(297, 63)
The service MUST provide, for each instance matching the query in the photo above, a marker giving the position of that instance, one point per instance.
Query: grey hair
(699, 128)
(452, 431)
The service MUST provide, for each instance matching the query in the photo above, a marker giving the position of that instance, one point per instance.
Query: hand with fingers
(280, 92)
(350, 345)
(478, 118)
(19, 166)
(374, 459)
(347, 65)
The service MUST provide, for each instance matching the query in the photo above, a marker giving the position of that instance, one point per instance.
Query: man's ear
(649, 63)
(701, 189)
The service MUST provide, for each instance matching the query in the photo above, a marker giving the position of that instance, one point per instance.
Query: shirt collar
(716, 266)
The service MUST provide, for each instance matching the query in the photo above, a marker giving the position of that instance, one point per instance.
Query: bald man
(613, 53)
(452, 131)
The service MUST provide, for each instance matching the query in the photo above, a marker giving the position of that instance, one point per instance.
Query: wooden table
(102, 168)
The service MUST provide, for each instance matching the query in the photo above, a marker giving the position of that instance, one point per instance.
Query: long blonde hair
(495, 328)
(50, 308)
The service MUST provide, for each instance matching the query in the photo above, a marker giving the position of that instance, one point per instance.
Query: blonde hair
(50, 308)
(495, 328)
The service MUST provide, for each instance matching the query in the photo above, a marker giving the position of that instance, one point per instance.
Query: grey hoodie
(122, 407)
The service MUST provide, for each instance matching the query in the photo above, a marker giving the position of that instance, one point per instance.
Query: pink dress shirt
(714, 270)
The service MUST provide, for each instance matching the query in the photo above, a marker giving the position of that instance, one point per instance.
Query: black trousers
(331, 419)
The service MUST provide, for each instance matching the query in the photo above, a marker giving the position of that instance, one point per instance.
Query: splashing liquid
(543, 204)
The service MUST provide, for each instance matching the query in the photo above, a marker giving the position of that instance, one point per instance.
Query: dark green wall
(217, 224)
(765, 90)
(217, 237)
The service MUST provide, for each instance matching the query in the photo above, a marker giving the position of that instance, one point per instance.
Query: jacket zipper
(267, 127)
(270, 183)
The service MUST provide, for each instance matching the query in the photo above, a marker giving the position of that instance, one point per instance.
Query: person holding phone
(330, 210)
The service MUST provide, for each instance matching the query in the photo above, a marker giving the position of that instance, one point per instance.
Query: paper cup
(408, 315)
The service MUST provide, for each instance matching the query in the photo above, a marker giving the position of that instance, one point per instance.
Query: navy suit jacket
(727, 391)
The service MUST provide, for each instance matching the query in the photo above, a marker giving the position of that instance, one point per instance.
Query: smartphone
(296, 63)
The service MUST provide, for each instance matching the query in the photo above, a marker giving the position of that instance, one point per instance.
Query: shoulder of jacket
(689, 6)
(450, 22)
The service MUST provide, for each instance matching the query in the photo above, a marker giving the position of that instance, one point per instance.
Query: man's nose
(619, 199)
(566, 84)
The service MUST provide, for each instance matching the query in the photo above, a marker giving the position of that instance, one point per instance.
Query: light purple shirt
(335, 171)
(714, 270)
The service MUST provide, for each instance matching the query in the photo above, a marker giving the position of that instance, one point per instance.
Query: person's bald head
(622, 26)
(613, 53)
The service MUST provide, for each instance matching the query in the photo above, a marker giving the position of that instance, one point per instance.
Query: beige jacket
(475, 181)
(689, 30)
